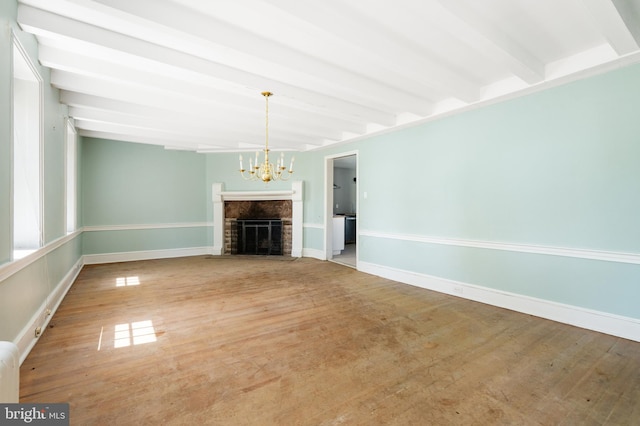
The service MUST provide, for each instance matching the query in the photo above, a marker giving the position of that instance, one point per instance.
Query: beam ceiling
(188, 74)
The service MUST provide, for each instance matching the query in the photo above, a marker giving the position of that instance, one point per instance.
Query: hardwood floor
(281, 341)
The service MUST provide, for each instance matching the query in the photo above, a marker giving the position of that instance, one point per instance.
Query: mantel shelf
(256, 195)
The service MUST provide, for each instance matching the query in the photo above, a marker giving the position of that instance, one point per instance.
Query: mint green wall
(224, 168)
(133, 184)
(593, 284)
(313, 238)
(132, 240)
(554, 168)
(557, 168)
(128, 184)
(25, 292)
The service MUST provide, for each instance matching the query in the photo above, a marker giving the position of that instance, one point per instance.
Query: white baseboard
(27, 339)
(616, 325)
(91, 259)
(314, 253)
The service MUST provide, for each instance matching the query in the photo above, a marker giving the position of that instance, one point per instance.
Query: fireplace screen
(260, 236)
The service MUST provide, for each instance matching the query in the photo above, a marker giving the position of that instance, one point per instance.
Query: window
(71, 178)
(27, 163)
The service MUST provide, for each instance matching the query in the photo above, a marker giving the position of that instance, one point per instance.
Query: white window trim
(70, 128)
(23, 52)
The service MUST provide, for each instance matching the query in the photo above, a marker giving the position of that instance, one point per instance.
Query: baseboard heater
(9, 373)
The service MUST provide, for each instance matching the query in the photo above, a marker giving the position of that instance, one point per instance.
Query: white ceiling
(188, 74)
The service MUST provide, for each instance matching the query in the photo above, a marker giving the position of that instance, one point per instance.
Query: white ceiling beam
(139, 139)
(87, 38)
(339, 85)
(231, 137)
(630, 13)
(56, 58)
(164, 112)
(314, 124)
(163, 136)
(175, 126)
(581, 61)
(366, 35)
(61, 60)
(159, 137)
(151, 97)
(326, 45)
(231, 125)
(613, 28)
(114, 73)
(178, 144)
(226, 130)
(204, 36)
(134, 93)
(486, 38)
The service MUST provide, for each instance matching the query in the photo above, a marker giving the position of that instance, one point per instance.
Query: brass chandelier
(266, 171)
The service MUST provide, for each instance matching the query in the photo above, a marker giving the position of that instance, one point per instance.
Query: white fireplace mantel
(295, 195)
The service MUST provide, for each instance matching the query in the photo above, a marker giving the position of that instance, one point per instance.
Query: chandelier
(266, 171)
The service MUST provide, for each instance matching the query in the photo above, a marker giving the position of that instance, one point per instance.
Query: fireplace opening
(259, 236)
(258, 227)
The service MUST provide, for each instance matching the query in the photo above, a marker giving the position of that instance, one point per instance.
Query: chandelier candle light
(266, 171)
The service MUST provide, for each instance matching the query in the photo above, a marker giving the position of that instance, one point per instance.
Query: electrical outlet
(458, 290)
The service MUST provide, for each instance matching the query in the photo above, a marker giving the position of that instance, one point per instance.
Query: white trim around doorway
(328, 200)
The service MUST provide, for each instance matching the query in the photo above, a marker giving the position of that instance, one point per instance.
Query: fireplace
(232, 207)
(257, 227)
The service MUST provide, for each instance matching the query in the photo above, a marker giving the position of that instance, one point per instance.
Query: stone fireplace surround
(220, 197)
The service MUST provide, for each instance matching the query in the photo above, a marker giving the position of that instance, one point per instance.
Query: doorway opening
(341, 212)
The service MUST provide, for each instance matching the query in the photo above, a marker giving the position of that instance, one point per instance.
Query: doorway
(341, 223)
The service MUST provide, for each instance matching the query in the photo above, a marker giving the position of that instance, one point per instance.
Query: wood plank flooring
(282, 341)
